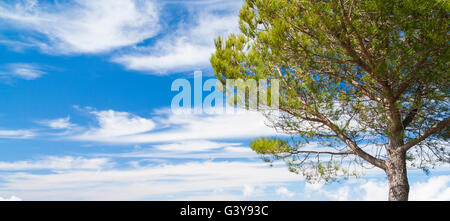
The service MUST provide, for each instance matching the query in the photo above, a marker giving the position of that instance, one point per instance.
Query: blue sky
(85, 110)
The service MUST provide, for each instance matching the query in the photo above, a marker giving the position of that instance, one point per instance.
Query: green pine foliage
(359, 77)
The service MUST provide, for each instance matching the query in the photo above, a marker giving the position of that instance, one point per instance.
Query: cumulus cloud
(375, 191)
(82, 26)
(436, 188)
(208, 196)
(22, 70)
(284, 192)
(313, 186)
(248, 190)
(342, 194)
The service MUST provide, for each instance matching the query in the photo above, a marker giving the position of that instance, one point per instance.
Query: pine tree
(362, 82)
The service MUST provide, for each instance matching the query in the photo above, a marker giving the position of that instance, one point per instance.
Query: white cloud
(253, 190)
(193, 146)
(375, 191)
(57, 163)
(124, 128)
(248, 190)
(113, 124)
(149, 182)
(15, 45)
(189, 48)
(189, 151)
(83, 26)
(352, 189)
(208, 196)
(284, 192)
(313, 186)
(208, 180)
(60, 123)
(341, 194)
(240, 150)
(436, 188)
(12, 198)
(22, 70)
(17, 134)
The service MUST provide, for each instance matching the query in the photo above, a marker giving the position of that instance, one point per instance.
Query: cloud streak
(188, 48)
(17, 134)
(24, 71)
(57, 163)
(60, 123)
(148, 182)
(125, 128)
(83, 26)
(93, 27)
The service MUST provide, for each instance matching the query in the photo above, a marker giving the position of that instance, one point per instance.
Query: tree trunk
(397, 176)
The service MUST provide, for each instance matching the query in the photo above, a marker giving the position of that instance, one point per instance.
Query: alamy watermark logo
(235, 96)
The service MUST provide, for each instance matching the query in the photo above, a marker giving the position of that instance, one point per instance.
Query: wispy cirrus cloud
(146, 182)
(57, 163)
(16, 134)
(26, 71)
(190, 46)
(125, 128)
(81, 26)
(114, 124)
(60, 123)
(194, 146)
(90, 27)
(95, 179)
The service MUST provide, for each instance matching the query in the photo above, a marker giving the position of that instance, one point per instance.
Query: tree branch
(358, 36)
(407, 82)
(353, 146)
(432, 130)
(410, 117)
(323, 152)
(412, 113)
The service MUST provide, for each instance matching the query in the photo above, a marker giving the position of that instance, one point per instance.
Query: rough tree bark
(397, 176)
(395, 169)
